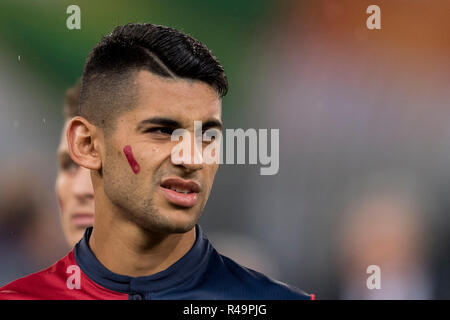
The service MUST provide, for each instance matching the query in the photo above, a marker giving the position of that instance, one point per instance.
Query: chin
(172, 220)
(78, 233)
(180, 224)
(73, 238)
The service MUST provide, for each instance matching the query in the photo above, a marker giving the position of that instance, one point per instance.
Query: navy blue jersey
(202, 273)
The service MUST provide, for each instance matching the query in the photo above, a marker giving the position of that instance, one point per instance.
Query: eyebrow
(159, 121)
(211, 123)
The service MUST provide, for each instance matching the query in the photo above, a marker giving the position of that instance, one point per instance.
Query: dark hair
(72, 99)
(161, 50)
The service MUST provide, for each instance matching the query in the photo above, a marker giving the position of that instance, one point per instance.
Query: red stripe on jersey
(62, 281)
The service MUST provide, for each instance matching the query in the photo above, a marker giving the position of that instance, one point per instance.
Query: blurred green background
(36, 30)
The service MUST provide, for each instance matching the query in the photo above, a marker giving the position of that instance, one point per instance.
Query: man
(140, 84)
(73, 183)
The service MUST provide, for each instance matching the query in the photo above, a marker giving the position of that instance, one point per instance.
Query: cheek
(211, 173)
(60, 203)
(131, 159)
(213, 170)
(62, 187)
(154, 157)
(145, 160)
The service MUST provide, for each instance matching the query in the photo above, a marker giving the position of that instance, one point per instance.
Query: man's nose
(82, 188)
(195, 160)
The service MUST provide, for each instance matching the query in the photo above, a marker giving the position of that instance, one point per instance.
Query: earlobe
(80, 139)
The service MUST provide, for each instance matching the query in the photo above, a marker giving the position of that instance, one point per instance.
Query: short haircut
(72, 99)
(106, 87)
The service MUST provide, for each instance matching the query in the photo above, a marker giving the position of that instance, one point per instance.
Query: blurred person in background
(73, 183)
(19, 212)
(384, 225)
(21, 209)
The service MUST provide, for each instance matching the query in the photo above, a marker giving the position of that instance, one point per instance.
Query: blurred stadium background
(364, 135)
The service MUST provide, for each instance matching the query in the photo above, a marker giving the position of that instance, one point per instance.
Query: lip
(82, 219)
(186, 200)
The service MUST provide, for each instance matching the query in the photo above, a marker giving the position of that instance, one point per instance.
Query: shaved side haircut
(107, 83)
(72, 100)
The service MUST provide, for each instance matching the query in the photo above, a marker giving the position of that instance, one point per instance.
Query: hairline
(131, 75)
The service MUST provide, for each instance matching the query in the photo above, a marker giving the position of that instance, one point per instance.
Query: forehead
(180, 99)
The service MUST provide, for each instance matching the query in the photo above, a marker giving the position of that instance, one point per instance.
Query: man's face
(161, 196)
(75, 194)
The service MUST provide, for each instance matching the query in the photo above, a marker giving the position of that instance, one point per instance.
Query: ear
(82, 141)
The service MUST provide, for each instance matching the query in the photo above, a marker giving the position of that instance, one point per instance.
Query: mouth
(180, 192)
(82, 220)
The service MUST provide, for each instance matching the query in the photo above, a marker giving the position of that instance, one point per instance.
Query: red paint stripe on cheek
(131, 160)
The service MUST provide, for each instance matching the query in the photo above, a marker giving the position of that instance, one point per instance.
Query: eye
(212, 134)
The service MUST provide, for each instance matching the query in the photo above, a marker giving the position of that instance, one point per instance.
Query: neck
(126, 249)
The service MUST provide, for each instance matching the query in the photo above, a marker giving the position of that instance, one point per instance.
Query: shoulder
(252, 284)
(39, 285)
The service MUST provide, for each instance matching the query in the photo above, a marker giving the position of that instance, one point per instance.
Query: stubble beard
(150, 218)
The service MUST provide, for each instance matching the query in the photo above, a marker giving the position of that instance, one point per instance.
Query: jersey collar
(193, 261)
